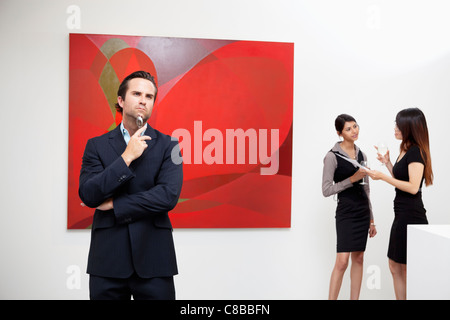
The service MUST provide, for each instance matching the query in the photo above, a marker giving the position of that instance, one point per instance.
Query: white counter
(428, 262)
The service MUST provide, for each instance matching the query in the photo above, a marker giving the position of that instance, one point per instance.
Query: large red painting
(230, 104)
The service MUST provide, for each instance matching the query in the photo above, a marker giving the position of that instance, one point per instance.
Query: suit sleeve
(163, 197)
(98, 183)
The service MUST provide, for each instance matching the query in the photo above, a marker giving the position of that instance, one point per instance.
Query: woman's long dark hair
(412, 124)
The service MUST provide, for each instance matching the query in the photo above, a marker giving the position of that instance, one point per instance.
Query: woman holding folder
(354, 219)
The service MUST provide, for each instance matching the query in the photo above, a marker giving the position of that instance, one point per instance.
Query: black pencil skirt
(408, 210)
(352, 224)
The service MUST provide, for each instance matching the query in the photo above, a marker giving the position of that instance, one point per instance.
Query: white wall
(369, 58)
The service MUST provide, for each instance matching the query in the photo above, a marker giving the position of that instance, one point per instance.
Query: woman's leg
(356, 274)
(338, 273)
(398, 271)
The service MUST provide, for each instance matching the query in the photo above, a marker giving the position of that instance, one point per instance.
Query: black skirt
(352, 223)
(408, 210)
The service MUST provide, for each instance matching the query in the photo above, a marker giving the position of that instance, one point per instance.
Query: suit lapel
(116, 141)
(152, 134)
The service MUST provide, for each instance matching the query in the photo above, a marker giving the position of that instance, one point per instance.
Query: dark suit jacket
(136, 236)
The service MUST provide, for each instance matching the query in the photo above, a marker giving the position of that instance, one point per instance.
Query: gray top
(329, 166)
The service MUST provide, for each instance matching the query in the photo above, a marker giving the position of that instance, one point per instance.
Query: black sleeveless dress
(408, 208)
(353, 210)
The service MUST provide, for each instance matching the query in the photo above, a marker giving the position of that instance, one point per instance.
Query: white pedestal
(428, 262)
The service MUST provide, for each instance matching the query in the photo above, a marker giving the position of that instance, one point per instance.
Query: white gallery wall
(368, 58)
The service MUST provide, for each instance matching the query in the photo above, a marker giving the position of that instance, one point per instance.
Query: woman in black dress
(354, 219)
(412, 167)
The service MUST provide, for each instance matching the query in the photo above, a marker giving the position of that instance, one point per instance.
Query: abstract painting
(228, 102)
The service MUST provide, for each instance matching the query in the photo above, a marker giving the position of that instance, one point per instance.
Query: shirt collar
(126, 134)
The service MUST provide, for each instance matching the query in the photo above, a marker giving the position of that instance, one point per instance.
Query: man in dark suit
(129, 176)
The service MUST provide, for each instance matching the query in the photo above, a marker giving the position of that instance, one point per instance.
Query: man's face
(139, 100)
